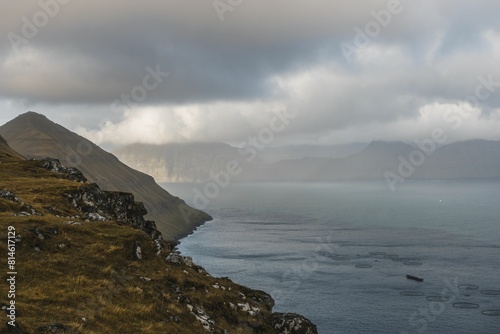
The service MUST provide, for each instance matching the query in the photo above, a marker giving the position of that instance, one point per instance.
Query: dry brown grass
(84, 277)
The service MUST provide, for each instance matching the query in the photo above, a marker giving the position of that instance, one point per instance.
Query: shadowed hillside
(7, 153)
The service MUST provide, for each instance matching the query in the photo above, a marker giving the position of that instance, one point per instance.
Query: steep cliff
(87, 261)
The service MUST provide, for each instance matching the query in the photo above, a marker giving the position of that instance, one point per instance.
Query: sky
(283, 71)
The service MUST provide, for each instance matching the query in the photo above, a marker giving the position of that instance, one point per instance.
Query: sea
(339, 253)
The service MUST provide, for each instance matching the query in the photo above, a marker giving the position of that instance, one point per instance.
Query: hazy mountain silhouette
(198, 162)
(475, 159)
(292, 152)
(35, 136)
(190, 162)
(195, 162)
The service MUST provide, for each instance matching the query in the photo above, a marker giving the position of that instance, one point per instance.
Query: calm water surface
(337, 253)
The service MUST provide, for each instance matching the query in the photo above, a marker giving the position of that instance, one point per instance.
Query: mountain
(85, 260)
(370, 163)
(379, 160)
(193, 162)
(474, 159)
(197, 162)
(35, 136)
(294, 152)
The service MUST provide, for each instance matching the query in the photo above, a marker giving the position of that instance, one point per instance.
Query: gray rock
(175, 319)
(94, 216)
(26, 210)
(23, 214)
(73, 223)
(54, 165)
(9, 195)
(176, 258)
(291, 323)
(137, 255)
(93, 201)
(188, 261)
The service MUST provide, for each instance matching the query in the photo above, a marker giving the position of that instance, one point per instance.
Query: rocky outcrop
(54, 165)
(99, 205)
(291, 323)
(22, 208)
(176, 258)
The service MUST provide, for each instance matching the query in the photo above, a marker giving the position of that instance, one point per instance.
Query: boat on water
(415, 278)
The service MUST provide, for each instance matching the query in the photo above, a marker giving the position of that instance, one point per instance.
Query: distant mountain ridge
(35, 136)
(379, 160)
(198, 162)
(474, 159)
(175, 162)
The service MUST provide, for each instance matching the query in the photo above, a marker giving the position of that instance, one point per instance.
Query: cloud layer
(97, 67)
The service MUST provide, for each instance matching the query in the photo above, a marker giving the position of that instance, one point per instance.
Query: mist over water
(338, 252)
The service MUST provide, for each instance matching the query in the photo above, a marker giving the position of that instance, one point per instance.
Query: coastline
(177, 239)
(290, 323)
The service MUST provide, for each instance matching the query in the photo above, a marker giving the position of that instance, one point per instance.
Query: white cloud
(207, 122)
(474, 125)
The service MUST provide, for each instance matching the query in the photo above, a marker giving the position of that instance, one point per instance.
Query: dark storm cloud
(92, 52)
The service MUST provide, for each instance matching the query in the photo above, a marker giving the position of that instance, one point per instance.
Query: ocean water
(338, 253)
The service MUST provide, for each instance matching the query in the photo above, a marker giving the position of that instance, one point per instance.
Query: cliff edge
(85, 260)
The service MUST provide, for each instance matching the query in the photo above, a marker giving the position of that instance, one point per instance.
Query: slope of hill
(86, 261)
(35, 136)
(6, 152)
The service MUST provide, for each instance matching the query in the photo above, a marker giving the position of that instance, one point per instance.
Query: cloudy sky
(174, 71)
